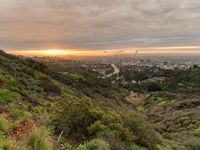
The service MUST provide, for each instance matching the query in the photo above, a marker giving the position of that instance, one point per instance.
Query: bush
(76, 116)
(96, 127)
(38, 140)
(75, 76)
(114, 141)
(6, 144)
(82, 147)
(136, 147)
(20, 115)
(4, 124)
(192, 144)
(98, 144)
(145, 135)
(84, 120)
(7, 96)
(63, 144)
(7, 81)
(49, 86)
(95, 144)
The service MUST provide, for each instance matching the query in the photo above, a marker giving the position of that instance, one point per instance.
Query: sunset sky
(89, 26)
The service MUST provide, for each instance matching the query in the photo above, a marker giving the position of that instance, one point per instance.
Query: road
(116, 71)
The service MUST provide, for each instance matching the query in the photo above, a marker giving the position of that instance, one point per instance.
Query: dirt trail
(23, 129)
(136, 98)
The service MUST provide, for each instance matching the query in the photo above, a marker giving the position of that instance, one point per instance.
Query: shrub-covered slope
(41, 109)
(172, 105)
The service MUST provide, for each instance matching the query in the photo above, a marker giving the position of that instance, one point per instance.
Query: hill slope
(41, 109)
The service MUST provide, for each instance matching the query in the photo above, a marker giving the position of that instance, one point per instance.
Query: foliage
(177, 80)
(84, 118)
(4, 124)
(38, 140)
(145, 135)
(7, 81)
(82, 147)
(77, 116)
(20, 115)
(92, 112)
(7, 96)
(64, 145)
(75, 76)
(95, 144)
(192, 144)
(49, 86)
(6, 144)
(136, 147)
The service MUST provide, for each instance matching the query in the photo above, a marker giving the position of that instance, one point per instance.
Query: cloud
(98, 24)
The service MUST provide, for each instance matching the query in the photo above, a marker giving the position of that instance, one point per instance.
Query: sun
(53, 52)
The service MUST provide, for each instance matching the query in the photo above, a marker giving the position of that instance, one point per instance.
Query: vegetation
(43, 109)
(7, 96)
(37, 140)
(4, 124)
(95, 144)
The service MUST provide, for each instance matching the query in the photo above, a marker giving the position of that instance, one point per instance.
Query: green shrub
(2, 136)
(192, 144)
(84, 120)
(49, 86)
(95, 144)
(82, 147)
(136, 147)
(175, 146)
(76, 116)
(7, 96)
(6, 144)
(145, 135)
(197, 131)
(65, 146)
(20, 115)
(75, 76)
(7, 81)
(39, 110)
(4, 124)
(96, 127)
(140, 109)
(114, 141)
(38, 140)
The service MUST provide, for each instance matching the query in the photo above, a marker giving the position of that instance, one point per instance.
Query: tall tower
(135, 55)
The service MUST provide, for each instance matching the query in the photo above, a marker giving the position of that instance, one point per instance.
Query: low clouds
(98, 24)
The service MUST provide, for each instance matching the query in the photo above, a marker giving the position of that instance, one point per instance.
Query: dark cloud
(98, 24)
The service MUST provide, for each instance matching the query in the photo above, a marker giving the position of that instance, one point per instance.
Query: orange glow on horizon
(175, 50)
(40, 52)
(61, 53)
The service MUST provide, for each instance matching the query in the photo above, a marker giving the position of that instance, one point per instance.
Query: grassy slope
(30, 93)
(171, 106)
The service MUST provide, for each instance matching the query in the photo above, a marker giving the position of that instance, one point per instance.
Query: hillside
(44, 109)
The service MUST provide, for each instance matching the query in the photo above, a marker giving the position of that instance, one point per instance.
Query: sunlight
(53, 52)
(173, 50)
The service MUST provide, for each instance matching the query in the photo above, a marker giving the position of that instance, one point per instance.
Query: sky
(99, 24)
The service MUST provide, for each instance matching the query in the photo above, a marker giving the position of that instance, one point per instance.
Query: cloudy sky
(98, 24)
